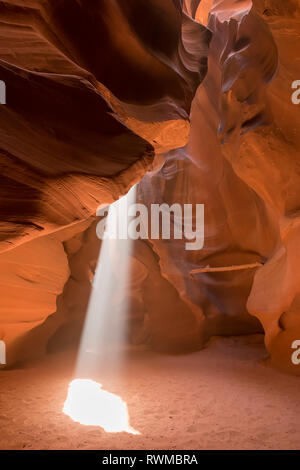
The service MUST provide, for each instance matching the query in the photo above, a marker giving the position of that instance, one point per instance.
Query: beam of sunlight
(104, 335)
(105, 331)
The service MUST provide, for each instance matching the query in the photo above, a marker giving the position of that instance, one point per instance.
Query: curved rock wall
(240, 227)
(95, 91)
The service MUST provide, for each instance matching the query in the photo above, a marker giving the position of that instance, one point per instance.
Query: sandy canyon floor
(227, 396)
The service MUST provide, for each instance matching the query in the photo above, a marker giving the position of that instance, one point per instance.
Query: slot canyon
(173, 103)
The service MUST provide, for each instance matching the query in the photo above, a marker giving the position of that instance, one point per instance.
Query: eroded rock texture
(95, 91)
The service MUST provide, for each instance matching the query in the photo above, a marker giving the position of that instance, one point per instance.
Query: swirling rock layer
(96, 90)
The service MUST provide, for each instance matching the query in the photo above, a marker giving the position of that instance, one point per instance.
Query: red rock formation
(86, 85)
(239, 226)
(94, 91)
(63, 134)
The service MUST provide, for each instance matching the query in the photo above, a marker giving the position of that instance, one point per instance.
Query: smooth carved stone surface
(239, 226)
(32, 277)
(195, 93)
(93, 91)
(242, 163)
(86, 84)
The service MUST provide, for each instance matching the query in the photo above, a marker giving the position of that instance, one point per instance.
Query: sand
(226, 396)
